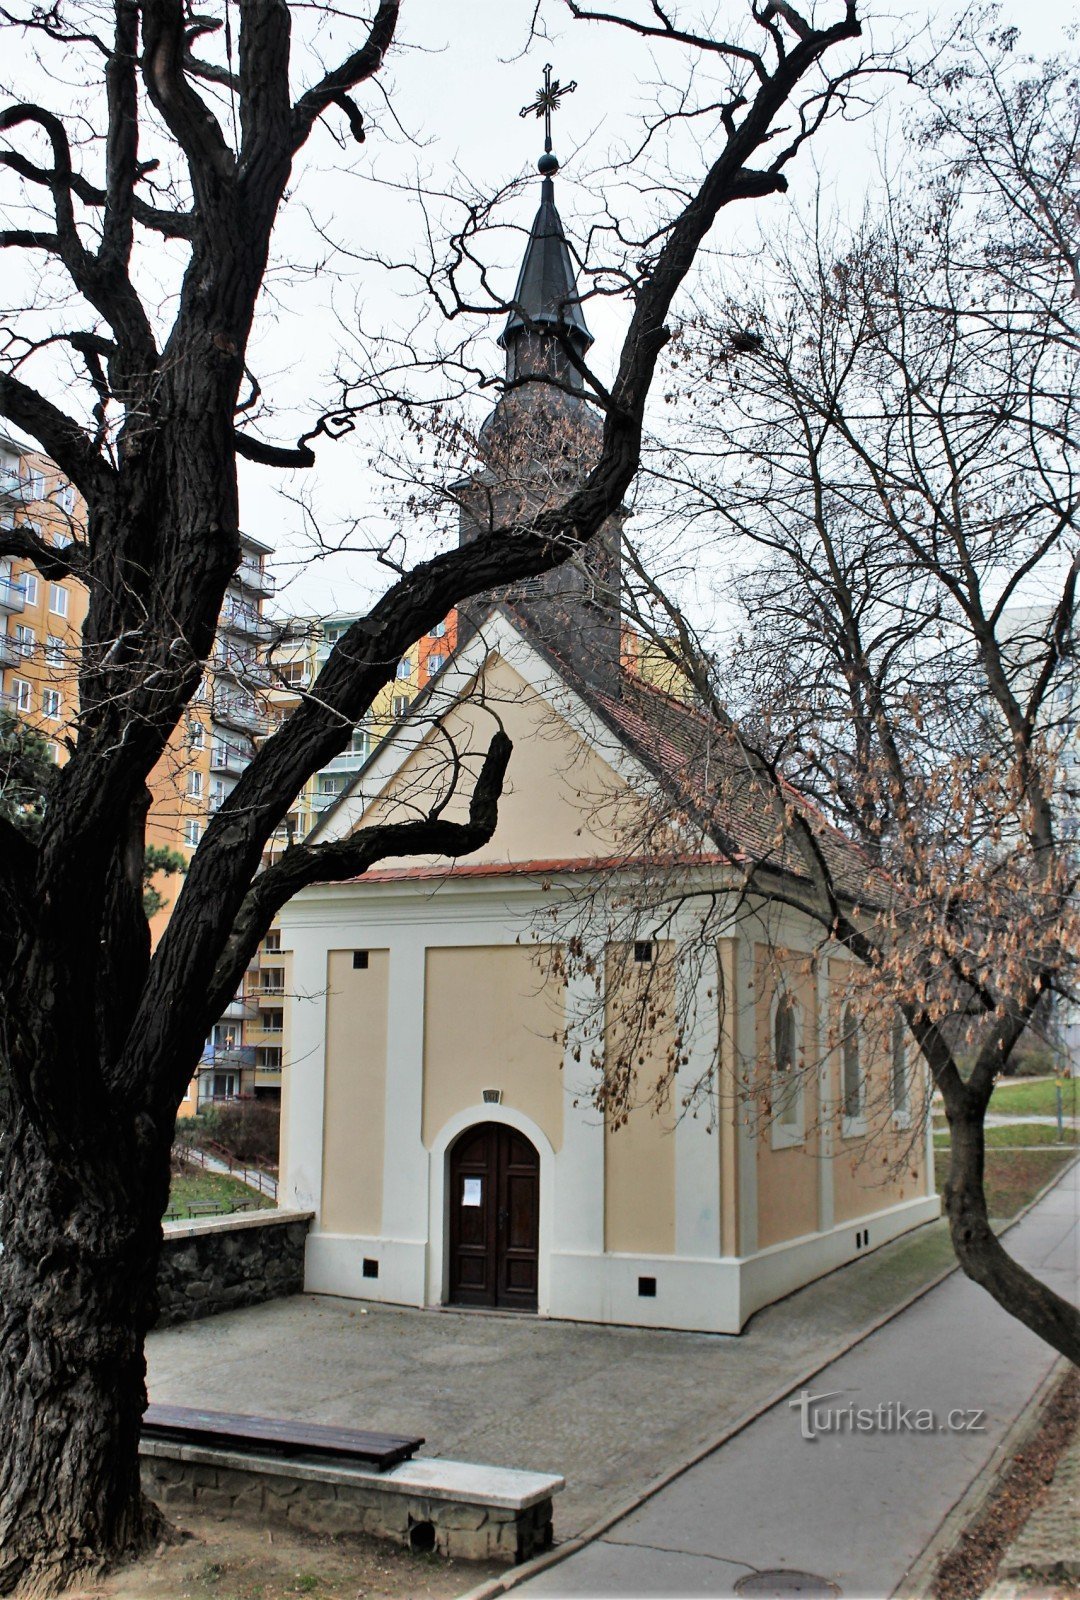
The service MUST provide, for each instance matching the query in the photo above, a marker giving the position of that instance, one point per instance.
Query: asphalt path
(857, 1502)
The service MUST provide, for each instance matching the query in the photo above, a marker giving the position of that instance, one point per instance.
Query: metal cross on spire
(547, 100)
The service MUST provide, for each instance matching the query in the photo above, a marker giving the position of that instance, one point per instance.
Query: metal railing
(218, 1159)
(12, 595)
(257, 578)
(244, 619)
(228, 758)
(239, 714)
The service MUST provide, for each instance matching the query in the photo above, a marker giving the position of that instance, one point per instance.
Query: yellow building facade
(451, 1023)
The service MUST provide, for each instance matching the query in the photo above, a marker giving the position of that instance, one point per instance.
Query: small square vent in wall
(492, 1097)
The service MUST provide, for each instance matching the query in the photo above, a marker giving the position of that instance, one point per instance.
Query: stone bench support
(472, 1513)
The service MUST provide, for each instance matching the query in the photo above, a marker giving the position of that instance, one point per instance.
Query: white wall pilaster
(746, 1043)
(579, 1194)
(405, 1167)
(303, 1085)
(826, 1124)
(697, 1133)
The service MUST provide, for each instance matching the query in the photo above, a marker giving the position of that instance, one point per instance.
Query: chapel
(449, 1023)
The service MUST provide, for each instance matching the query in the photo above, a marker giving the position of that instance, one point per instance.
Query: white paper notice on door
(470, 1195)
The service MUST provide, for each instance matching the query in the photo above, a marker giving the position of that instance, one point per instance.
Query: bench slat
(284, 1437)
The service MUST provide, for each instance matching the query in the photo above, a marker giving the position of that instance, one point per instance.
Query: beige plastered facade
(426, 999)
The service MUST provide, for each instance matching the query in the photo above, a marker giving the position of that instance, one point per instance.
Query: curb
(915, 1583)
(494, 1587)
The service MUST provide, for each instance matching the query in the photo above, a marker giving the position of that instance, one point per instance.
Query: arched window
(853, 1087)
(787, 1098)
(899, 1069)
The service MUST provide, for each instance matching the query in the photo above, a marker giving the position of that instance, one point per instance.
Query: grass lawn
(198, 1188)
(1018, 1133)
(1013, 1177)
(1022, 1099)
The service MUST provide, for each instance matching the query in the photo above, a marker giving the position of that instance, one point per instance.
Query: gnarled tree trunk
(77, 1297)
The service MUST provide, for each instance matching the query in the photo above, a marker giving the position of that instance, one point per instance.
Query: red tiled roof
(540, 868)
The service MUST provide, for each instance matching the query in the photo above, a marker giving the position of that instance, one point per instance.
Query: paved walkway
(854, 1507)
(264, 1182)
(609, 1408)
(996, 1120)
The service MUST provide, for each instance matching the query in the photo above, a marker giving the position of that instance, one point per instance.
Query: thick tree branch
(362, 64)
(59, 435)
(272, 455)
(302, 865)
(52, 561)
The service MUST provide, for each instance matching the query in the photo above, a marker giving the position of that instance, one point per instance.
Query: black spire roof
(547, 292)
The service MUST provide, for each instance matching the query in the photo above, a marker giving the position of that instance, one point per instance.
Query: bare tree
(885, 441)
(99, 1039)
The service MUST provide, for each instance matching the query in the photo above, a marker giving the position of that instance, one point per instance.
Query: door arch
(494, 1218)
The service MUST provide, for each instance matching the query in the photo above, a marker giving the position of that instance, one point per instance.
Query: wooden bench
(231, 1431)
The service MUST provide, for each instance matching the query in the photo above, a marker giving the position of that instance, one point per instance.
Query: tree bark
(77, 1297)
(980, 1253)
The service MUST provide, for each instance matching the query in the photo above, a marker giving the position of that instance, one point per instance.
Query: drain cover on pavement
(780, 1583)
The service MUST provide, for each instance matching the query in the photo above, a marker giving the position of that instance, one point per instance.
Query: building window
(50, 703)
(66, 497)
(399, 706)
(192, 832)
(273, 1021)
(404, 668)
(852, 1067)
(196, 735)
(273, 939)
(58, 599)
(899, 1071)
(439, 631)
(29, 584)
(54, 651)
(787, 1097)
(194, 785)
(24, 640)
(34, 484)
(52, 750)
(435, 664)
(268, 1058)
(294, 673)
(22, 692)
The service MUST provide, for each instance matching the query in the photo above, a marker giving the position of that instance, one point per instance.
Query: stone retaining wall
(423, 1504)
(221, 1263)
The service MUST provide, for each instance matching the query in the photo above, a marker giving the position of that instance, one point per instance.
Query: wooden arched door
(494, 1219)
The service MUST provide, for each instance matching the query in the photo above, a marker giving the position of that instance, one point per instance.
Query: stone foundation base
(471, 1513)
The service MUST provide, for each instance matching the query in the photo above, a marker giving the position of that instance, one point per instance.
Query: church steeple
(544, 437)
(546, 298)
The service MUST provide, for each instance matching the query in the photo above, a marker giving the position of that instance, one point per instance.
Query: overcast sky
(445, 115)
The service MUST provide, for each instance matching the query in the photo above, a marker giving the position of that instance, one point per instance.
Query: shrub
(247, 1129)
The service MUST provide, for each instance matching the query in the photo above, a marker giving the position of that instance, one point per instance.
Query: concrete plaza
(611, 1409)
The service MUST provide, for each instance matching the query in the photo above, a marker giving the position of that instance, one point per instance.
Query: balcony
(271, 989)
(228, 758)
(13, 489)
(256, 578)
(348, 760)
(239, 714)
(241, 1008)
(10, 653)
(228, 1057)
(244, 620)
(12, 595)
